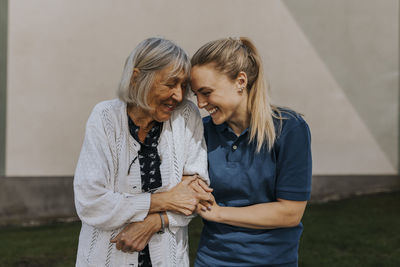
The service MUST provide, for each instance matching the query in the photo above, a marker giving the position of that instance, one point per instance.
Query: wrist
(159, 202)
(219, 214)
(157, 224)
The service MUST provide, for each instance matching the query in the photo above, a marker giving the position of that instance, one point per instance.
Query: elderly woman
(128, 184)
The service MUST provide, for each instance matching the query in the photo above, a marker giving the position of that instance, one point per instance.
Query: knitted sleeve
(196, 149)
(195, 158)
(95, 200)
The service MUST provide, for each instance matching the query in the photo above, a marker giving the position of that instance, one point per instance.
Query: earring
(241, 89)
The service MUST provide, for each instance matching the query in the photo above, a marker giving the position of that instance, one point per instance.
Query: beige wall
(65, 56)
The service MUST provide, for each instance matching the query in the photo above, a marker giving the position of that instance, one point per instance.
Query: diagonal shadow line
(393, 160)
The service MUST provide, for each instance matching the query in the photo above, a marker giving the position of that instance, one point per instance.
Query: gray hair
(150, 56)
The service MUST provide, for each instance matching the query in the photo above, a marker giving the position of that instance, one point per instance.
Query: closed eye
(170, 85)
(203, 91)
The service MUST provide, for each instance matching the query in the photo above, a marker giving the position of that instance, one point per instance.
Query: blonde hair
(231, 56)
(149, 57)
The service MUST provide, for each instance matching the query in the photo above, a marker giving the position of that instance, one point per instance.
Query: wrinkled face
(215, 92)
(166, 93)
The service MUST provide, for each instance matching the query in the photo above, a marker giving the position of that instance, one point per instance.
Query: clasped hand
(202, 201)
(135, 236)
(184, 198)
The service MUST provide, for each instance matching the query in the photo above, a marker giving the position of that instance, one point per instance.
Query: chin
(163, 118)
(217, 121)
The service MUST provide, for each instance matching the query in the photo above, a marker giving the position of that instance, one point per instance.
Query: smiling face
(218, 94)
(166, 93)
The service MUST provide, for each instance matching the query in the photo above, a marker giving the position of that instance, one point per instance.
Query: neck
(240, 119)
(140, 117)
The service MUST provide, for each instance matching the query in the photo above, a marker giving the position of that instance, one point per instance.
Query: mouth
(169, 107)
(212, 110)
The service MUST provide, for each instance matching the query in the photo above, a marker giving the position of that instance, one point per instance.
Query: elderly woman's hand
(135, 236)
(199, 185)
(201, 188)
(185, 196)
(182, 198)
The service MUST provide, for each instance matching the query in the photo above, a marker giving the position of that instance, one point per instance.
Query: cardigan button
(234, 147)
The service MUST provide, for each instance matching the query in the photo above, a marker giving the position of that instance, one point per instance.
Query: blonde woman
(128, 189)
(259, 161)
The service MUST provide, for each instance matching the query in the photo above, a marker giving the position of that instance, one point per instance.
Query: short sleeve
(294, 164)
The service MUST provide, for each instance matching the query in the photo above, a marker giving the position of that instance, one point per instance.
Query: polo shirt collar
(225, 127)
(222, 127)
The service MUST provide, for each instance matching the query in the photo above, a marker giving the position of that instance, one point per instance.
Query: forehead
(205, 76)
(171, 73)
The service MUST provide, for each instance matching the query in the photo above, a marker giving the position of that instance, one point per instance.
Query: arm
(282, 213)
(135, 236)
(196, 160)
(96, 202)
(181, 198)
(293, 185)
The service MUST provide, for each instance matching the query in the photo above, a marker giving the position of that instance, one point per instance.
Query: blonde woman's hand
(209, 211)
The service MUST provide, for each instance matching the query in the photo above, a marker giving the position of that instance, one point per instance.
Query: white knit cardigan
(107, 198)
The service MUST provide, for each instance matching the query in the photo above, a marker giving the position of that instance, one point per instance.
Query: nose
(178, 94)
(201, 102)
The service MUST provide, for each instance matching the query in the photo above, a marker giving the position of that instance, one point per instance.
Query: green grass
(51, 245)
(364, 231)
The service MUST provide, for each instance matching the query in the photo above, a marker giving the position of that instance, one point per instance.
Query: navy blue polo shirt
(241, 177)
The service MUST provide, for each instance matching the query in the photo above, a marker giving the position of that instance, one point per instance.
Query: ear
(134, 76)
(241, 80)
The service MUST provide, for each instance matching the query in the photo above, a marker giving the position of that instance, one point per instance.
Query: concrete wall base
(37, 200)
(335, 187)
